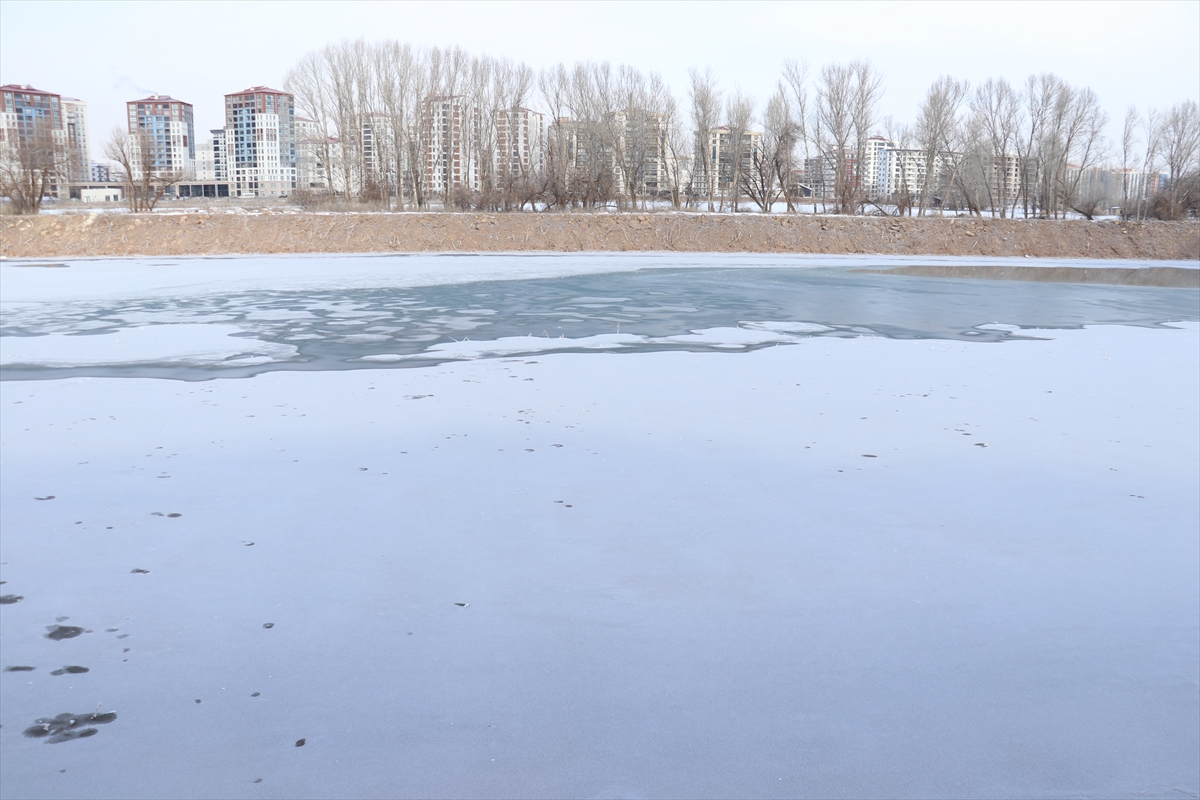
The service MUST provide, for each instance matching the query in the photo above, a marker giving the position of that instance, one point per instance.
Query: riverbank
(223, 233)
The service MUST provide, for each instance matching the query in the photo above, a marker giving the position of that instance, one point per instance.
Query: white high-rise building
(312, 149)
(260, 142)
(78, 152)
(210, 157)
(715, 170)
(874, 150)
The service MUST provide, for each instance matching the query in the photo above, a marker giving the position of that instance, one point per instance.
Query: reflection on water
(651, 309)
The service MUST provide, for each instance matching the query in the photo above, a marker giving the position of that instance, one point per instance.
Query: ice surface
(107, 278)
(615, 571)
(159, 344)
(697, 303)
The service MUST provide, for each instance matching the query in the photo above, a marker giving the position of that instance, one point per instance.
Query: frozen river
(595, 526)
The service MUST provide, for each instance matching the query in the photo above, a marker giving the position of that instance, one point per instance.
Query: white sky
(1144, 53)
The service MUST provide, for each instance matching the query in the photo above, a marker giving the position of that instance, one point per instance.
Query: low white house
(107, 194)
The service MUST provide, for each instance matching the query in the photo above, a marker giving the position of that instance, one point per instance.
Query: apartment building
(640, 143)
(715, 170)
(79, 154)
(210, 157)
(520, 144)
(32, 126)
(312, 150)
(260, 142)
(867, 175)
(452, 158)
(165, 126)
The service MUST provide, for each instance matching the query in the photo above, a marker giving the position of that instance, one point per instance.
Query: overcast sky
(1144, 53)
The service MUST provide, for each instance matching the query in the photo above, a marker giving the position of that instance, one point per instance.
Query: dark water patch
(9, 599)
(139, 571)
(68, 727)
(70, 671)
(655, 309)
(19, 669)
(301, 742)
(268, 625)
(60, 632)
(47, 497)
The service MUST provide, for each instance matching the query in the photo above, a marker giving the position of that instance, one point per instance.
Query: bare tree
(739, 110)
(34, 162)
(634, 127)
(996, 120)
(308, 85)
(677, 149)
(937, 132)
(706, 108)
(1067, 138)
(868, 88)
(770, 164)
(795, 75)
(1129, 141)
(843, 117)
(554, 86)
(1181, 156)
(903, 177)
(146, 181)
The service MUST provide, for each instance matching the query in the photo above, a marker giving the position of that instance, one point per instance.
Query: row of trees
(406, 128)
(617, 135)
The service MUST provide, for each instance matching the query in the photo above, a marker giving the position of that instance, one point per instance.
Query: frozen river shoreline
(851, 566)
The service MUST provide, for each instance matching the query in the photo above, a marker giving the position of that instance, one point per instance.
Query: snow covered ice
(790, 531)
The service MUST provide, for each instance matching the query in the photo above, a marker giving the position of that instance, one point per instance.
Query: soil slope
(108, 234)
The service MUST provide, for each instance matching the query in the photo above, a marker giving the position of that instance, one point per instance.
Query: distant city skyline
(1145, 54)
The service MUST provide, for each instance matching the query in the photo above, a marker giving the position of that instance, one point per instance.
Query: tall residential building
(25, 109)
(78, 152)
(520, 144)
(874, 150)
(640, 142)
(164, 125)
(312, 148)
(210, 157)
(901, 172)
(451, 156)
(29, 116)
(260, 136)
(715, 170)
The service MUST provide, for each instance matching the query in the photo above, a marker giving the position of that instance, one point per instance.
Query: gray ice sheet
(738, 601)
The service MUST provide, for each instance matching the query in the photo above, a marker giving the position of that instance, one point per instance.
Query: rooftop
(159, 98)
(26, 89)
(257, 90)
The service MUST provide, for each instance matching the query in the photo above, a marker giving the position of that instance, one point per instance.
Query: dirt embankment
(200, 233)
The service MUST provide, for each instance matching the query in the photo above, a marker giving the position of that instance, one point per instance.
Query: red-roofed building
(32, 118)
